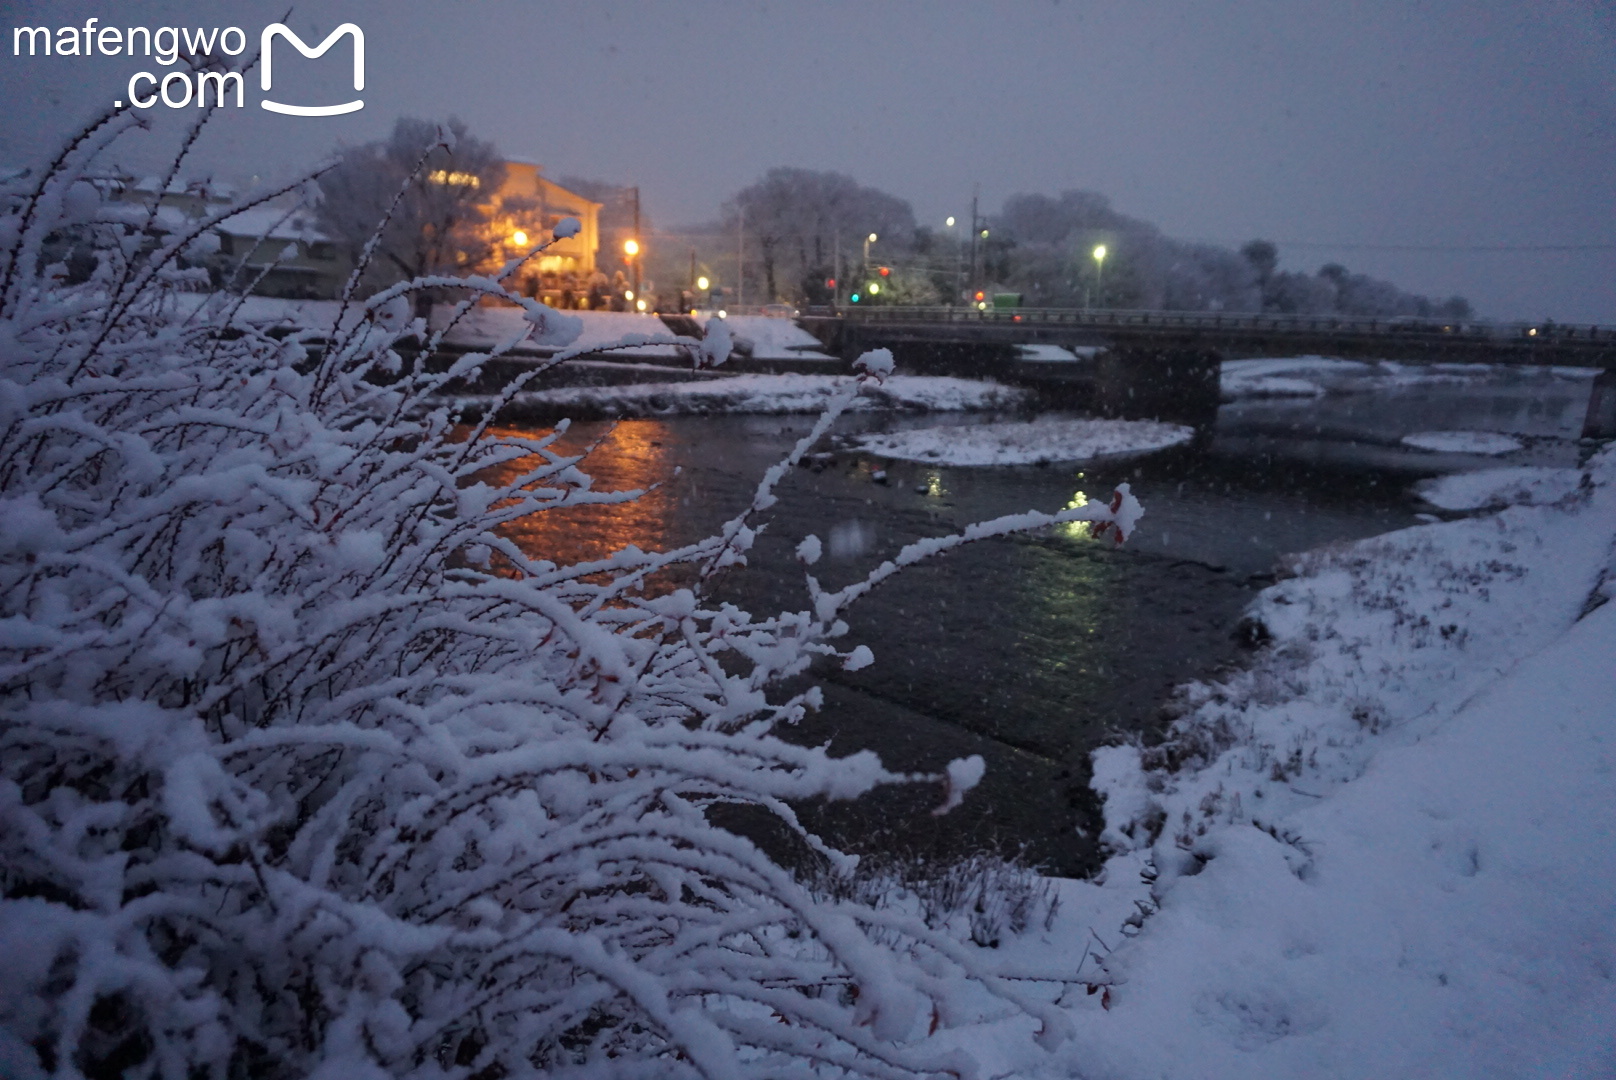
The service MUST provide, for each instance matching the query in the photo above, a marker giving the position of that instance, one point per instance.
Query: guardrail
(1224, 321)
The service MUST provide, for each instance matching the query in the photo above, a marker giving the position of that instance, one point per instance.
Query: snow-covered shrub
(305, 769)
(989, 897)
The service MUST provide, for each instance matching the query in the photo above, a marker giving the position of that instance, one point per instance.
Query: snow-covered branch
(306, 766)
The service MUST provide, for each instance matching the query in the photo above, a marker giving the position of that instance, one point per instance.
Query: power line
(1439, 248)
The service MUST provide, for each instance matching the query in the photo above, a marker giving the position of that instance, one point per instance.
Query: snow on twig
(305, 764)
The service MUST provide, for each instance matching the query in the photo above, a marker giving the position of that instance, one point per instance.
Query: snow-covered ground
(767, 338)
(787, 393)
(1525, 485)
(776, 338)
(1490, 443)
(1388, 848)
(1025, 443)
(1311, 376)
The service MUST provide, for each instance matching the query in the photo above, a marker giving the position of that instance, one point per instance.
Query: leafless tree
(440, 224)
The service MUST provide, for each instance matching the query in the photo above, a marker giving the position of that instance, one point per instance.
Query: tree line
(803, 236)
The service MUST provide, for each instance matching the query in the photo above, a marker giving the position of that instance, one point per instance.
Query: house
(276, 251)
(177, 201)
(524, 211)
(281, 251)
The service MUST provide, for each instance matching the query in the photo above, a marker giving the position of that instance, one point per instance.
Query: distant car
(780, 311)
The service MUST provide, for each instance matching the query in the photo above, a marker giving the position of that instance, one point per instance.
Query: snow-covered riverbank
(1386, 848)
(1314, 376)
(769, 394)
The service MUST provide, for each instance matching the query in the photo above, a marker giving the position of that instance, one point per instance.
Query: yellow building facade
(524, 211)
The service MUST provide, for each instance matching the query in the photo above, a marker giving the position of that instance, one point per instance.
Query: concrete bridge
(1165, 363)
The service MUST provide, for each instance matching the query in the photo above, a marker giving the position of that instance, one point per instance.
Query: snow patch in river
(1463, 442)
(1028, 442)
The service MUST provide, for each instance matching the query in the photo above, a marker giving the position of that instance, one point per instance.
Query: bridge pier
(1179, 385)
(1600, 422)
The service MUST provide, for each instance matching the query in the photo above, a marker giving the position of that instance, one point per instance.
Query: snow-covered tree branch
(307, 769)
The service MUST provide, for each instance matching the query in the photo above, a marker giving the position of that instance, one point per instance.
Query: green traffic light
(853, 299)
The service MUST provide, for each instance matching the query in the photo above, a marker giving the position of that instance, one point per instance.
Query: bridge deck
(1229, 333)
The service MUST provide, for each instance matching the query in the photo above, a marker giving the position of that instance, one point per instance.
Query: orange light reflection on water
(632, 455)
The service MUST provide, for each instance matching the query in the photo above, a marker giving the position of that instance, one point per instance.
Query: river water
(1032, 651)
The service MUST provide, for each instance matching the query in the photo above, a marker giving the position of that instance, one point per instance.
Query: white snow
(1490, 443)
(482, 327)
(1493, 488)
(775, 338)
(1290, 376)
(1386, 849)
(1027, 442)
(772, 394)
(1311, 376)
(1046, 354)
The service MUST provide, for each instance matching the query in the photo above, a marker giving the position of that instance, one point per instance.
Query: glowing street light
(628, 294)
(519, 238)
(703, 284)
(631, 248)
(950, 221)
(871, 239)
(1099, 273)
(639, 305)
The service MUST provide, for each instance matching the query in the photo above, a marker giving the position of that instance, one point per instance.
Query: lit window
(458, 179)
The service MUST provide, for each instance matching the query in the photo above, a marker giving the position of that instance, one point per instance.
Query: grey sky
(1447, 123)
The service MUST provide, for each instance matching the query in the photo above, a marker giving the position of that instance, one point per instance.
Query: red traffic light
(981, 295)
(885, 271)
(830, 283)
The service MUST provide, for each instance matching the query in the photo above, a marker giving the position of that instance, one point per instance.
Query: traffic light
(980, 296)
(830, 283)
(853, 299)
(886, 271)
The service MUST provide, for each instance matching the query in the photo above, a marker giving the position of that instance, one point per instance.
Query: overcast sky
(1445, 124)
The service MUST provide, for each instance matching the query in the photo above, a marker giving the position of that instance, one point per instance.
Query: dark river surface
(1033, 651)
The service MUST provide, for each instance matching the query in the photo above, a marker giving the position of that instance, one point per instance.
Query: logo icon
(266, 43)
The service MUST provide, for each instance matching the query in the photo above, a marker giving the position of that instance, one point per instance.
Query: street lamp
(1099, 273)
(631, 248)
(702, 283)
(950, 221)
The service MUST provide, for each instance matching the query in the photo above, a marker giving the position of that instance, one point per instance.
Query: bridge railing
(1224, 322)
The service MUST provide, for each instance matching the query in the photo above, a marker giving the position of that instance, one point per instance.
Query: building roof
(273, 223)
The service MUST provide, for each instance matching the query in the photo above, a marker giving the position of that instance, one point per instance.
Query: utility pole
(740, 256)
(836, 274)
(641, 253)
(971, 282)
